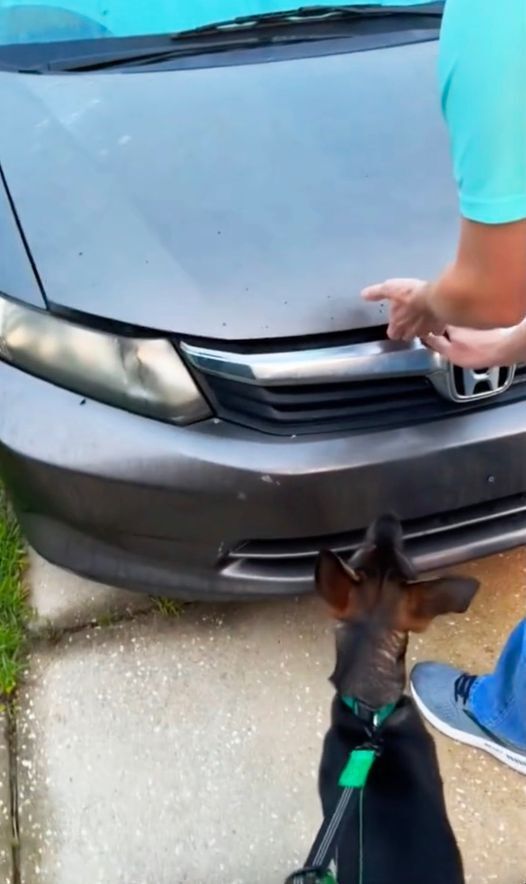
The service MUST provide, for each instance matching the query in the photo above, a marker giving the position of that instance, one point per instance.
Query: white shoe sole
(507, 756)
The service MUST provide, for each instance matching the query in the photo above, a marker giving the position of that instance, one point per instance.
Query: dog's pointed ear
(337, 584)
(364, 557)
(425, 600)
(404, 566)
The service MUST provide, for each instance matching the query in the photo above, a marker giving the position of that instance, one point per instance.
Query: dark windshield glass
(44, 21)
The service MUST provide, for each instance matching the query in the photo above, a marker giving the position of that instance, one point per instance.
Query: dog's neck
(376, 679)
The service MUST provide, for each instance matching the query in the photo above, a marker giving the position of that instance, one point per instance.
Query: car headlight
(144, 375)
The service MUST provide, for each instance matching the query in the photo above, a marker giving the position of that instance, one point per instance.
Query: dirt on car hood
(237, 202)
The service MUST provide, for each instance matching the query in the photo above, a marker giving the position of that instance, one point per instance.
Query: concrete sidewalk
(167, 750)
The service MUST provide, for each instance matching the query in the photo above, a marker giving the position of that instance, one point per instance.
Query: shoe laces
(463, 687)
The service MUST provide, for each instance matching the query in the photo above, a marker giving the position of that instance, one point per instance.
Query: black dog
(405, 836)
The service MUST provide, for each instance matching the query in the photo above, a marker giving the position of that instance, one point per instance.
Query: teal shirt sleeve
(483, 83)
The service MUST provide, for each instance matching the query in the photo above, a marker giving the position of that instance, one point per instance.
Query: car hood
(232, 202)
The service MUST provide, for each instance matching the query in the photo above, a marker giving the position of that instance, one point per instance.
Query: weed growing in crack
(108, 618)
(167, 607)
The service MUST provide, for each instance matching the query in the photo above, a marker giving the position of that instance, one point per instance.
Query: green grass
(14, 607)
(167, 607)
(108, 618)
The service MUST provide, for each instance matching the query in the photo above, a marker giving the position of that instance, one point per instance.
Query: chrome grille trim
(352, 362)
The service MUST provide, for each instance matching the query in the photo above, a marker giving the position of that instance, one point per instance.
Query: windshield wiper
(115, 59)
(237, 33)
(307, 14)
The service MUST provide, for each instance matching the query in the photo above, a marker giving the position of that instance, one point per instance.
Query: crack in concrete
(12, 750)
(50, 634)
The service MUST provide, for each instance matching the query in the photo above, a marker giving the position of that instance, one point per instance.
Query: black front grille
(354, 406)
(463, 533)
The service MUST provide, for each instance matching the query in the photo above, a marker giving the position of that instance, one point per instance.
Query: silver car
(193, 397)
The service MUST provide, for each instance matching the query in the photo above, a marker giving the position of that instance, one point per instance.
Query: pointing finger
(375, 293)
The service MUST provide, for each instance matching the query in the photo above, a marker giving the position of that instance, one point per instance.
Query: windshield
(45, 21)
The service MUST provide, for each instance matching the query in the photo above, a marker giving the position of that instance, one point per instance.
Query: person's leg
(498, 701)
(488, 711)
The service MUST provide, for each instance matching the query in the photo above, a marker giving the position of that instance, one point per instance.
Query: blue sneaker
(441, 693)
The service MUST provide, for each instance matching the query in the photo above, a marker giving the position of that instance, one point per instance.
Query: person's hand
(469, 348)
(410, 313)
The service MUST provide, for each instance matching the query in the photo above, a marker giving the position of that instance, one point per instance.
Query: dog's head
(377, 600)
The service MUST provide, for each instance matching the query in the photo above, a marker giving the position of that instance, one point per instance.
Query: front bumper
(215, 510)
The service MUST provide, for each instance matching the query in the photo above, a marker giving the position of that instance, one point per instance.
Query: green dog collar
(378, 717)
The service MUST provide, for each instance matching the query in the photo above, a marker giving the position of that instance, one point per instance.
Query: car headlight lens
(144, 375)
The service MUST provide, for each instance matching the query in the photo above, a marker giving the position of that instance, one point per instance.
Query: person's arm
(483, 79)
(486, 286)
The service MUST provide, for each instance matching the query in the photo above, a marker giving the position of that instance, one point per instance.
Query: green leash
(354, 776)
(352, 782)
